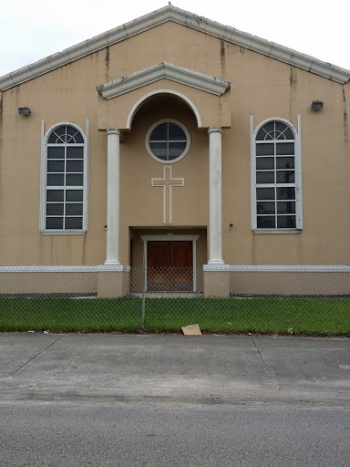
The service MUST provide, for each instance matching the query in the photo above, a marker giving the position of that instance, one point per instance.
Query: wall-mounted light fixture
(317, 105)
(25, 111)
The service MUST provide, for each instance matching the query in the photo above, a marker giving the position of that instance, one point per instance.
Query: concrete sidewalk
(173, 368)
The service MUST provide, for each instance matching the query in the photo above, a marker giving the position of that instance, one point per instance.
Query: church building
(183, 145)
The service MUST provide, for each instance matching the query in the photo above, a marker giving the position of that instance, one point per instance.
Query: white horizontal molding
(207, 267)
(277, 231)
(64, 269)
(278, 268)
(187, 19)
(216, 268)
(168, 71)
(63, 232)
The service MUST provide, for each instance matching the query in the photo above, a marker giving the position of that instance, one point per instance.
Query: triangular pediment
(168, 71)
(184, 18)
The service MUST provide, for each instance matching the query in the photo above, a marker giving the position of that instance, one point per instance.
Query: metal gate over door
(169, 266)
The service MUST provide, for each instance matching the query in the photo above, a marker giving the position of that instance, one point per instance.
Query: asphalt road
(158, 401)
(95, 434)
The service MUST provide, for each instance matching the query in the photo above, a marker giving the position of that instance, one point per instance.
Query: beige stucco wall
(289, 283)
(22, 283)
(260, 86)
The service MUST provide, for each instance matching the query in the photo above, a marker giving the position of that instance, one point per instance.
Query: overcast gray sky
(33, 29)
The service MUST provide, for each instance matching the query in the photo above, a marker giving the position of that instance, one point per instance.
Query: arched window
(65, 180)
(276, 167)
(167, 141)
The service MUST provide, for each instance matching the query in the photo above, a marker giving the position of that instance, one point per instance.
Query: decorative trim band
(163, 70)
(277, 268)
(187, 19)
(206, 267)
(65, 269)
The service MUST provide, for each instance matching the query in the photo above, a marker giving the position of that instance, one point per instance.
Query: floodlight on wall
(25, 111)
(317, 105)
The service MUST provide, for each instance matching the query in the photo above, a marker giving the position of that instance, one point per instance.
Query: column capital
(113, 131)
(214, 129)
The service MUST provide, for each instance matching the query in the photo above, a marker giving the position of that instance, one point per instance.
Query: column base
(112, 284)
(216, 284)
(112, 262)
(214, 262)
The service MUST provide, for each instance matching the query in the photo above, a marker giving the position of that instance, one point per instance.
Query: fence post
(143, 292)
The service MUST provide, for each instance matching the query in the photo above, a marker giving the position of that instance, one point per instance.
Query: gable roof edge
(185, 18)
(165, 70)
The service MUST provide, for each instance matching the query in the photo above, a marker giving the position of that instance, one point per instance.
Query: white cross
(167, 182)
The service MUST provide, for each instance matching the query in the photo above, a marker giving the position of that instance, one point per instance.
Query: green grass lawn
(314, 316)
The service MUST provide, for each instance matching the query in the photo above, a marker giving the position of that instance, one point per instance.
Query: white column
(215, 195)
(113, 195)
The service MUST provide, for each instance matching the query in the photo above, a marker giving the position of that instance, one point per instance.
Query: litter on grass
(191, 330)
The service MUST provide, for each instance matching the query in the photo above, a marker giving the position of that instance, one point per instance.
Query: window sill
(63, 232)
(277, 231)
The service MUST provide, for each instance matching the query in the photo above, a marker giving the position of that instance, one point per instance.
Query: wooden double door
(169, 266)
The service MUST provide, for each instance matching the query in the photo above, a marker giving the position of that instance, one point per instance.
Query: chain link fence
(166, 299)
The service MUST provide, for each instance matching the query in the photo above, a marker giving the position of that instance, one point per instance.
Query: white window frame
(168, 120)
(298, 176)
(43, 180)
